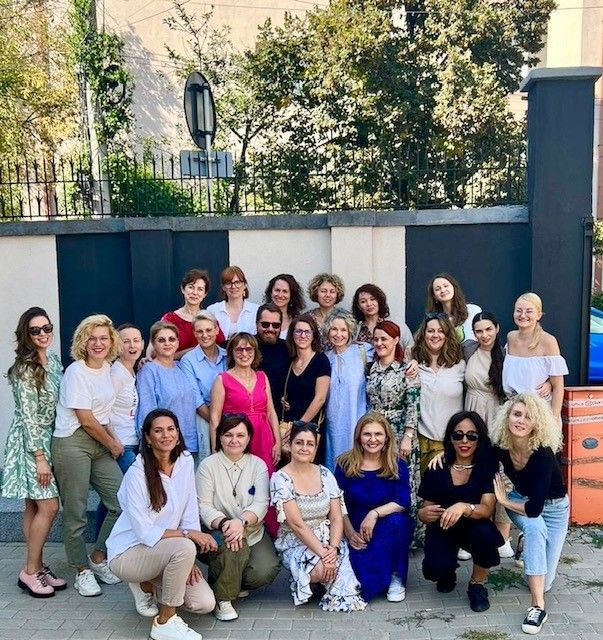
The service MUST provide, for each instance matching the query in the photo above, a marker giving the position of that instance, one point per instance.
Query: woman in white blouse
(154, 542)
(233, 490)
(235, 313)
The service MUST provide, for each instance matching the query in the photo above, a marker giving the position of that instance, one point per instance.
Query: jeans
(543, 537)
(125, 461)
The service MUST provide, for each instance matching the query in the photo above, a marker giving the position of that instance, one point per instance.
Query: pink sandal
(35, 584)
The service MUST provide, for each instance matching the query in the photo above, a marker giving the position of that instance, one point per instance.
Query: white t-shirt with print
(123, 413)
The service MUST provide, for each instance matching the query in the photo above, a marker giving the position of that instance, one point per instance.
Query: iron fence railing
(331, 178)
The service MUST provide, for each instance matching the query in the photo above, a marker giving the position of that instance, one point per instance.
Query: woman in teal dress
(35, 378)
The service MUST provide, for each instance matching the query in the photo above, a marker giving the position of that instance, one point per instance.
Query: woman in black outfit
(458, 503)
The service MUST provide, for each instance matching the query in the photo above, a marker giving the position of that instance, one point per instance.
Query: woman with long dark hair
(35, 378)
(285, 292)
(154, 542)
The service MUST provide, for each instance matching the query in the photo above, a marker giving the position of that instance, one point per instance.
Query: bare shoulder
(549, 344)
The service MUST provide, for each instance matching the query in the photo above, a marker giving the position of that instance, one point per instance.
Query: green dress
(31, 430)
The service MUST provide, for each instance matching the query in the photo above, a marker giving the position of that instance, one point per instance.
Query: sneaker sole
(88, 595)
(531, 630)
(395, 598)
(225, 618)
(31, 592)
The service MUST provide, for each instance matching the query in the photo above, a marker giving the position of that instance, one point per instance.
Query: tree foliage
(37, 83)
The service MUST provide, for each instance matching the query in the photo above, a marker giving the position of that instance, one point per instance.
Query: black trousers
(480, 537)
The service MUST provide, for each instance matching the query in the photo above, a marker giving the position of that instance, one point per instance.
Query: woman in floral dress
(393, 393)
(35, 378)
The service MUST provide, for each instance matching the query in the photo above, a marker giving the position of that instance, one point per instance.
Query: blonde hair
(351, 462)
(535, 300)
(546, 429)
(205, 315)
(158, 326)
(332, 279)
(83, 332)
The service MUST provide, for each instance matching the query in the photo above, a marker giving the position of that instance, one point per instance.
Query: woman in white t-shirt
(84, 448)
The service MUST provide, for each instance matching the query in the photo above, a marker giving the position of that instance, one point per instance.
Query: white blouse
(524, 374)
(138, 522)
(246, 321)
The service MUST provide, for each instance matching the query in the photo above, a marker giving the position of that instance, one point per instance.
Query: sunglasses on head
(36, 331)
(471, 436)
(436, 315)
(309, 426)
(266, 325)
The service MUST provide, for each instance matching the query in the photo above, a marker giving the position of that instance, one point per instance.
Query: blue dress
(387, 552)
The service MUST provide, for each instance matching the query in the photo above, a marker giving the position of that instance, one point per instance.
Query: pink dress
(254, 404)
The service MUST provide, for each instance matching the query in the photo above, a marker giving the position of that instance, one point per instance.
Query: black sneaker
(478, 597)
(535, 618)
(446, 583)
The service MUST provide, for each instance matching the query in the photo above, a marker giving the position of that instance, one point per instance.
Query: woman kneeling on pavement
(232, 485)
(154, 542)
(458, 503)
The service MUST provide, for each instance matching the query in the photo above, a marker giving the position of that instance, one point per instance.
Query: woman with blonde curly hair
(528, 438)
(327, 289)
(84, 448)
(378, 526)
(533, 363)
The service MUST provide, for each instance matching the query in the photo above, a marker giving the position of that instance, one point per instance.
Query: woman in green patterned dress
(35, 378)
(393, 393)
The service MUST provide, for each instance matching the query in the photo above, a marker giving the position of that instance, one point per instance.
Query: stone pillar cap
(559, 73)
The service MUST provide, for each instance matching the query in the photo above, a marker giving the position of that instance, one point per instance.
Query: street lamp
(200, 110)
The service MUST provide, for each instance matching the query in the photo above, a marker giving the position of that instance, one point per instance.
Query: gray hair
(347, 317)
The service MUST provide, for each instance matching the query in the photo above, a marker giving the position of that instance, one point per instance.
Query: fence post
(560, 170)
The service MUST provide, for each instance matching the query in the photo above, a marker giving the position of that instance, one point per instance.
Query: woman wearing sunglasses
(35, 377)
(442, 373)
(458, 503)
(162, 384)
(310, 509)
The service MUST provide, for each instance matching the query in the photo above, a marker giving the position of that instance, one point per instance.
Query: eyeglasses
(36, 331)
(164, 340)
(241, 350)
(234, 284)
(266, 325)
(458, 436)
(436, 315)
(303, 332)
(101, 339)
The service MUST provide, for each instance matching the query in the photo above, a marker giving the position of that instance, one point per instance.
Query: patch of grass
(569, 560)
(475, 634)
(504, 578)
(418, 618)
(586, 585)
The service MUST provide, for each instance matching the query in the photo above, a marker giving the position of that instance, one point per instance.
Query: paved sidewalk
(574, 605)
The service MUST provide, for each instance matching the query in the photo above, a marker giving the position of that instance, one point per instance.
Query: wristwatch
(185, 533)
(472, 509)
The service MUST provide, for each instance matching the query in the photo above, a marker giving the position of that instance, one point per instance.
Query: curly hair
(296, 302)
(243, 336)
(348, 319)
(450, 354)
(535, 300)
(351, 461)
(378, 294)
(458, 309)
(228, 275)
(546, 431)
(27, 354)
(309, 320)
(331, 278)
(83, 332)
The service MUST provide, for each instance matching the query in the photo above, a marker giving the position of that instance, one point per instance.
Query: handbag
(285, 425)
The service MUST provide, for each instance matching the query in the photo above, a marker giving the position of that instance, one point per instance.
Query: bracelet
(221, 523)
(378, 514)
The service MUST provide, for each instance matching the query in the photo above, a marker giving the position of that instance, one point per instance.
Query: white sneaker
(174, 629)
(86, 585)
(396, 591)
(243, 593)
(144, 602)
(506, 551)
(463, 555)
(225, 611)
(102, 572)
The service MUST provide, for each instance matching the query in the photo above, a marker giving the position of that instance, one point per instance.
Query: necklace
(234, 484)
(462, 467)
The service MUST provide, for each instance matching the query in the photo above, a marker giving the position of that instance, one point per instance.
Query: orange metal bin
(582, 457)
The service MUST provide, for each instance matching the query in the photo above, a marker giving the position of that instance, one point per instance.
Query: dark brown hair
(234, 341)
(192, 275)
(308, 319)
(157, 494)
(458, 310)
(377, 293)
(450, 354)
(296, 302)
(230, 421)
(27, 354)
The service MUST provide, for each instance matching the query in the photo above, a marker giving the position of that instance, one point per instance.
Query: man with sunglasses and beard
(275, 356)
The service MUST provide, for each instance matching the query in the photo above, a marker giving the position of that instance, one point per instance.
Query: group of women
(359, 394)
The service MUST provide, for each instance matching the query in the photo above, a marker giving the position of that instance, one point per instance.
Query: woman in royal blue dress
(378, 526)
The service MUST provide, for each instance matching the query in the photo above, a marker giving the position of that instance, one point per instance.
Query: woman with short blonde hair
(327, 289)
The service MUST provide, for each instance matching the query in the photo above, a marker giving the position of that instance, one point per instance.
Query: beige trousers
(167, 565)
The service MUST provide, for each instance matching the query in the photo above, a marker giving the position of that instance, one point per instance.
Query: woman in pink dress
(244, 389)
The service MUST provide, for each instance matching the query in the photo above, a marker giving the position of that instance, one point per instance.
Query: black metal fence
(329, 179)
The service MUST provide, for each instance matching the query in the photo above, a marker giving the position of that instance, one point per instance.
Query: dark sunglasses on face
(36, 331)
(265, 325)
(163, 340)
(471, 436)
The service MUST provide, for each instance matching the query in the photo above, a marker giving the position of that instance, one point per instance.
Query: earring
(149, 445)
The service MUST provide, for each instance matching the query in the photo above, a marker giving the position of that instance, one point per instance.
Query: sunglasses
(266, 325)
(471, 436)
(164, 340)
(436, 315)
(305, 426)
(241, 350)
(36, 331)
